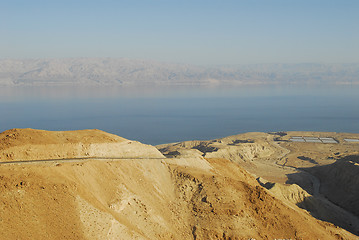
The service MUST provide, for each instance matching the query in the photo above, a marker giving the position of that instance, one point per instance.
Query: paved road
(73, 160)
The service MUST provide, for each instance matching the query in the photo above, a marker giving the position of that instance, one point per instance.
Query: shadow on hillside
(338, 198)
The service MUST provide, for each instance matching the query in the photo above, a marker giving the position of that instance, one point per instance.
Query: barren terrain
(93, 185)
(322, 178)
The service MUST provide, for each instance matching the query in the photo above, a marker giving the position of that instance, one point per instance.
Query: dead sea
(163, 115)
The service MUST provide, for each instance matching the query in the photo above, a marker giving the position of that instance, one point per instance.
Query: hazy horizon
(147, 96)
(178, 63)
(190, 32)
(129, 73)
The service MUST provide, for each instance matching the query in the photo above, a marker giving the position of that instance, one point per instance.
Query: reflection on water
(160, 115)
(24, 93)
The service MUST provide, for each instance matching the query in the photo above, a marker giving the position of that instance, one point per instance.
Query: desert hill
(321, 178)
(31, 144)
(140, 194)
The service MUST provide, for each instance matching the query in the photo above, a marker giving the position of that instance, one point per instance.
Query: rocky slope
(321, 178)
(146, 197)
(341, 182)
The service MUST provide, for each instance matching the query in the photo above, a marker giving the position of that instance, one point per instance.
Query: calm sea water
(156, 116)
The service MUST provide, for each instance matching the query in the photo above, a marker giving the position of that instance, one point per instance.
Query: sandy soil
(151, 197)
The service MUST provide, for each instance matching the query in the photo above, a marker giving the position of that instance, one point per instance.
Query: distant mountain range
(127, 72)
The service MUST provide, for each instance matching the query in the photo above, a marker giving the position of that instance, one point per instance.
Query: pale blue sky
(185, 31)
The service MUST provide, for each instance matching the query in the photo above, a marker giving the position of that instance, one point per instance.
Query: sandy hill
(321, 178)
(31, 144)
(18, 137)
(146, 197)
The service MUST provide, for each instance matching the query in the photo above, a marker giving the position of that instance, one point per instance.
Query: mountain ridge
(129, 72)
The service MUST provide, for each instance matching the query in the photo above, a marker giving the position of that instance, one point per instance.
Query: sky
(202, 32)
